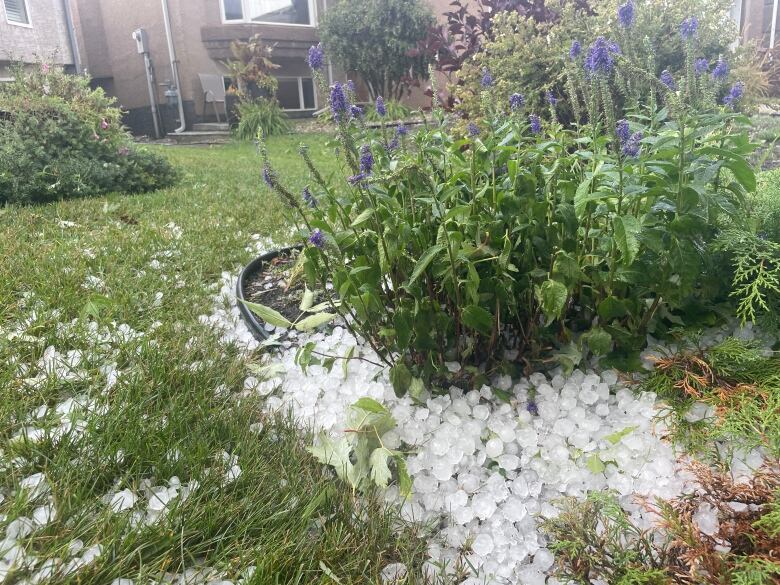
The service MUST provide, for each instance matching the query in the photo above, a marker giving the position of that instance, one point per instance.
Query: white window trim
(312, 15)
(301, 101)
(27, 24)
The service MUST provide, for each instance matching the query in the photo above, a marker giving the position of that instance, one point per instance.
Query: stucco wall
(46, 38)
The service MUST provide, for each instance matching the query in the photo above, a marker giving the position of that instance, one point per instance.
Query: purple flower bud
(626, 14)
(721, 70)
(600, 57)
(516, 101)
(366, 159)
(632, 146)
(317, 238)
(473, 129)
(350, 86)
(689, 28)
(734, 95)
(667, 79)
(401, 130)
(338, 100)
(701, 66)
(268, 176)
(356, 112)
(575, 50)
(316, 57)
(308, 198)
(536, 123)
(355, 179)
(380, 106)
(551, 99)
(393, 145)
(487, 78)
(532, 408)
(622, 131)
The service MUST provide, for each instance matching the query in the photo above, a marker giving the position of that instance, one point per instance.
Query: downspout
(774, 25)
(174, 66)
(74, 48)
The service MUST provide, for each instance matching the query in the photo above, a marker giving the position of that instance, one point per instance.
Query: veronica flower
(536, 123)
(575, 50)
(317, 238)
(551, 99)
(701, 66)
(473, 129)
(487, 78)
(734, 95)
(308, 198)
(355, 179)
(338, 100)
(366, 159)
(350, 85)
(626, 14)
(380, 106)
(632, 146)
(401, 130)
(268, 176)
(393, 144)
(622, 131)
(600, 57)
(516, 101)
(532, 408)
(689, 27)
(721, 70)
(356, 111)
(667, 79)
(316, 57)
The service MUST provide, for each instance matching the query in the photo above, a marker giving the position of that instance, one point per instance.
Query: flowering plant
(524, 235)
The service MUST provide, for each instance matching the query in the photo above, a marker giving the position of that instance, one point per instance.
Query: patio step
(200, 137)
(211, 127)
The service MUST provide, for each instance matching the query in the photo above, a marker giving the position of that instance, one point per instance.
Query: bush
(527, 236)
(61, 139)
(261, 114)
(374, 38)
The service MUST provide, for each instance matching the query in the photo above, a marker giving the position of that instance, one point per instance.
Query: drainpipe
(174, 66)
(74, 48)
(774, 25)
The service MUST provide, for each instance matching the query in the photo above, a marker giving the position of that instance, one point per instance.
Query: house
(32, 30)
(758, 21)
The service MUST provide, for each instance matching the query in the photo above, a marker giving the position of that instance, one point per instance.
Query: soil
(269, 286)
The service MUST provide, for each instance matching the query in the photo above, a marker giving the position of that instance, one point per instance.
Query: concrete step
(211, 127)
(195, 137)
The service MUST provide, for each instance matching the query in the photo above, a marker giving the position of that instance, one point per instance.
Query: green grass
(177, 405)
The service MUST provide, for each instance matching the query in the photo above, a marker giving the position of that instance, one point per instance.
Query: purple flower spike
(338, 100)
(600, 57)
(701, 66)
(632, 146)
(356, 111)
(516, 101)
(268, 176)
(308, 198)
(350, 85)
(626, 14)
(667, 79)
(532, 408)
(316, 57)
(689, 28)
(317, 238)
(380, 106)
(721, 70)
(536, 123)
(734, 95)
(366, 159)
(622, 131)
(393, 145)
(575, 50)
(487, 78)
(473, 129)
(401, 130)
(551, 99)
(355, 179)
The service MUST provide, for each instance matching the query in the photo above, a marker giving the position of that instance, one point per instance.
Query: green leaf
(314, 321)
(400, 378)
(552, 297)
(598, 340)
(569, 357)
(567, 269)
(477, 318)
(364, 216)
(403, 328)
(334, 453)
(615, 438)
(267, 371)
(595, 465)
(268, 314)
(627, 229)
(370, 405)
(404, 481)
(416, 389)
(611, 308)
(307, 301)
(380, 472)
(346, 360)
(425, 261)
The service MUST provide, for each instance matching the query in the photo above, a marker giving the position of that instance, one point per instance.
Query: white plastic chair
(213, 91)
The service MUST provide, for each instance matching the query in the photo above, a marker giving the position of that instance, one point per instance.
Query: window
(16, 12)
(296, 93)
(294, 12)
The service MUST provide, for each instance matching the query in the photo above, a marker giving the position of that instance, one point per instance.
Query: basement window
(16, 12)
(286, 12)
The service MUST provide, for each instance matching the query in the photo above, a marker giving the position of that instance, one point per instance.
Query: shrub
(374, 38)
(527, 236)
(60, 139)
(261, 115)
(394, 110)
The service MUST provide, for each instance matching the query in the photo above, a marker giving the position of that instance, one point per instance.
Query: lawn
(129, 450)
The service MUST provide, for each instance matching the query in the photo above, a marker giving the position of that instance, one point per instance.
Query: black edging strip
(255, 325)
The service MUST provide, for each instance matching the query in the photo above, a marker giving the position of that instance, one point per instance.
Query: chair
(213, 87)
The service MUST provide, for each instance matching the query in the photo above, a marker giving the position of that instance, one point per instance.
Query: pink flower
(123, 151)
(104, 124)
(44, 67)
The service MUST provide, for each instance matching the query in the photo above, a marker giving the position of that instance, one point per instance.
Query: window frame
(301, 100)
(313, 16)
(27, 24)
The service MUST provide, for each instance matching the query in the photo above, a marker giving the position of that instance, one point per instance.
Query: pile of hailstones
(485, 469)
